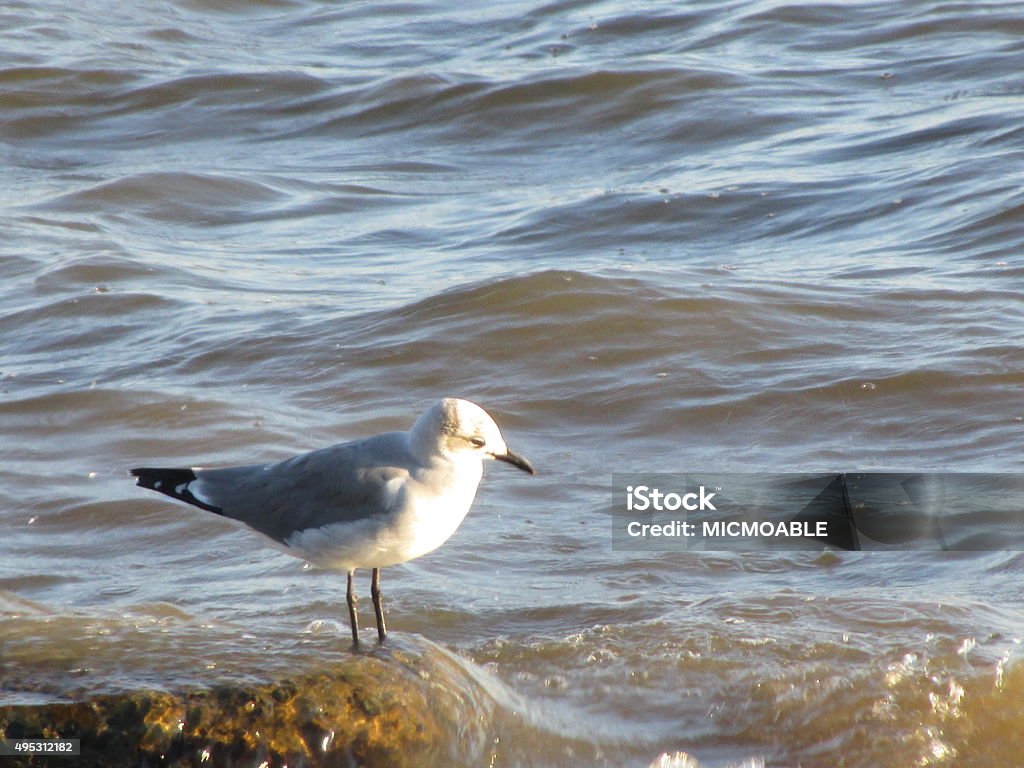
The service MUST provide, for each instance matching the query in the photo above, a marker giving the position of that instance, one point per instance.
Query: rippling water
(728, 236)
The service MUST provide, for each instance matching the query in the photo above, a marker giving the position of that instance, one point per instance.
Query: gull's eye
(478, 442)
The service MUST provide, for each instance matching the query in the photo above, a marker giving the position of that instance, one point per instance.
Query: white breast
(418, 521)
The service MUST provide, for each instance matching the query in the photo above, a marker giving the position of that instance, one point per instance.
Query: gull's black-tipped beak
(516, 461)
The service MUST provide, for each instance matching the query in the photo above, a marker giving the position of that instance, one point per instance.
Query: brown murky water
(727, 236)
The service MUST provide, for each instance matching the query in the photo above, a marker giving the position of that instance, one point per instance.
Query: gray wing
(343, 483)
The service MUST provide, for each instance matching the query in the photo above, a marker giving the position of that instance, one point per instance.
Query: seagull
(364, 504)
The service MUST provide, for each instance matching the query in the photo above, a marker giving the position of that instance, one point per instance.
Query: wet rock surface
(385, 709)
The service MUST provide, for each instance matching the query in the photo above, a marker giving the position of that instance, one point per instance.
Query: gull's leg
(351, 599)
(378, 607)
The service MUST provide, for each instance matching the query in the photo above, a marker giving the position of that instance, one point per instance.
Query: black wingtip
(154, 477)
(173, 483)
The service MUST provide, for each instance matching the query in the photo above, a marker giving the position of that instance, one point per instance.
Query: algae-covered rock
(386, 709)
